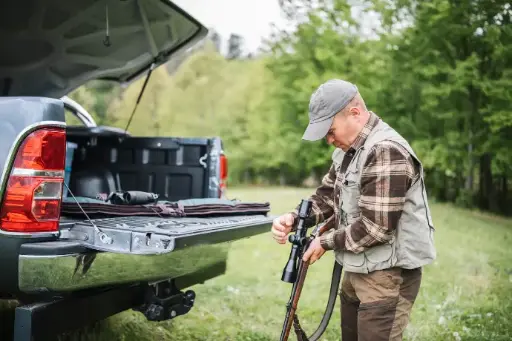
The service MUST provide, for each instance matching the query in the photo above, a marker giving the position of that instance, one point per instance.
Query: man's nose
(330, 139)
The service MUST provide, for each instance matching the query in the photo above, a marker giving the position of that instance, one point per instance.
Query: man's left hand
(314, 252)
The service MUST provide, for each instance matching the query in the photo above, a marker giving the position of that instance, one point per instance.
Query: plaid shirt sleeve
(322, 209)
(388, 173)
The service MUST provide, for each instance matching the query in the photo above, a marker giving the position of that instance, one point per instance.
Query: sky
(249, 18)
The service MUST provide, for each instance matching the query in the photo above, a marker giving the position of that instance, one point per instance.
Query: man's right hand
(282, 226)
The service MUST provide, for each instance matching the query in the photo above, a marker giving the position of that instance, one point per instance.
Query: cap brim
(317, 131)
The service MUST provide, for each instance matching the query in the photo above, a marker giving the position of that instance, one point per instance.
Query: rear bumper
(66, 266)
(71, 271)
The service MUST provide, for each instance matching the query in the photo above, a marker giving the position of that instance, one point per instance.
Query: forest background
(438, 71)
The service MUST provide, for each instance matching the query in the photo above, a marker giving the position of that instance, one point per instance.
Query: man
(373, 199)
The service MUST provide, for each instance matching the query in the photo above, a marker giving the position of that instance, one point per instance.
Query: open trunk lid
(51, 47)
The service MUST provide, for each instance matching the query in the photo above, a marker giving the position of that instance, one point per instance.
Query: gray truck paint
(16, 115)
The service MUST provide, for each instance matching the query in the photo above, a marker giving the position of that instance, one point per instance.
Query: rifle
(296, 274)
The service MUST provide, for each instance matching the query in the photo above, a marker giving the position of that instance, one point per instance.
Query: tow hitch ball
(164, 301)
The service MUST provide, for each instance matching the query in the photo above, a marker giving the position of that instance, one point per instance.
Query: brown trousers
(377, 306)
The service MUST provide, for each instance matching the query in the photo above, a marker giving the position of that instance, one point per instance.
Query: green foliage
(438, 71)
(442, 80)
(452, 79)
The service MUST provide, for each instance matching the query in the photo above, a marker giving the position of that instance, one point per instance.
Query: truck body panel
(18, 116)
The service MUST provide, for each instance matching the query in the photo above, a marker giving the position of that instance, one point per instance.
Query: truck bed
(173, 167)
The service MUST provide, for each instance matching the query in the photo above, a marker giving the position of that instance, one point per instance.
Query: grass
(465, 295)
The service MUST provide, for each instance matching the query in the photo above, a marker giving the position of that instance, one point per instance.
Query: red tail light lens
(223, 174)
(43, 150)
(24, 211)
(223, 167)
(34, 190)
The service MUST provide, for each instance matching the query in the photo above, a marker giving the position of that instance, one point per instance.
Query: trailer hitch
(164, 301)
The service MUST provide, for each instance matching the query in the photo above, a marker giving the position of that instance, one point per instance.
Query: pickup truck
(68, 265)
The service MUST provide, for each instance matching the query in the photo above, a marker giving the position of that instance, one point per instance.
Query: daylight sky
(249, 18)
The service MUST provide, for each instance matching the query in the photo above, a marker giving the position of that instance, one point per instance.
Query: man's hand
(282, 226)
(314, 252)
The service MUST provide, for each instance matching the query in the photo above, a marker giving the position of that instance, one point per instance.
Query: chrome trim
(35, 172)
(8, 165)
(59, 196)
(29, 234)
(75, 271)
(79, 111)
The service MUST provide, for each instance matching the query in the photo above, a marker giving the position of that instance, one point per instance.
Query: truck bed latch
(164, 301)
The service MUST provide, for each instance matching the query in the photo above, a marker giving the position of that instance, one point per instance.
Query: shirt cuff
(327, 240)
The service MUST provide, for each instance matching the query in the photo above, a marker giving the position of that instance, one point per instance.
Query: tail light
(33, 193)
(223, 174)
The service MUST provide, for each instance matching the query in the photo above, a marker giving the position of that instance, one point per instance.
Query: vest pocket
(379, 254)
(350, 194)
(354, 259)
(376, 258)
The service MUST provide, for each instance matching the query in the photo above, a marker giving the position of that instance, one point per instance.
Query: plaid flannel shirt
(388, 173)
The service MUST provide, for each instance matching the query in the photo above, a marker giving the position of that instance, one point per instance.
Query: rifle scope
(297, 240)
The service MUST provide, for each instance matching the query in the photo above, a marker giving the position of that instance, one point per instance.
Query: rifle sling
(333, 293)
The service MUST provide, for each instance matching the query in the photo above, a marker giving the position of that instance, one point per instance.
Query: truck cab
(70, 253)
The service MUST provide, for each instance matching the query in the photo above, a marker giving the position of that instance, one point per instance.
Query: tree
(235, 46)
(450, 83)
(216, 38)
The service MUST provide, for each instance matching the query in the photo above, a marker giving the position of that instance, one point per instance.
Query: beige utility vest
(412, 244)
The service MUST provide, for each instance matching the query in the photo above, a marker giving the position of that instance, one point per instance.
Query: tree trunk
(473, 113)
(487, 191)
(504, 195)
(469, 178)
(444, 190)
(282, 180)
(247, 177)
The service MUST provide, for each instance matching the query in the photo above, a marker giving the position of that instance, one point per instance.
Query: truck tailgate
(155, 235)
(135, 249)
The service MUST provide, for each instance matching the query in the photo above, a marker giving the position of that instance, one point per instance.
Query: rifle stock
(296, 274)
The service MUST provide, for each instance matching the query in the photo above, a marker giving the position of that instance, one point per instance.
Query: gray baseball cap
(325, 102)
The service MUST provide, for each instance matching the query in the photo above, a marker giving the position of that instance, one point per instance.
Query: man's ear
(354, 111)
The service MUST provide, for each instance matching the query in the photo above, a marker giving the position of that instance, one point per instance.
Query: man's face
(344, 129)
